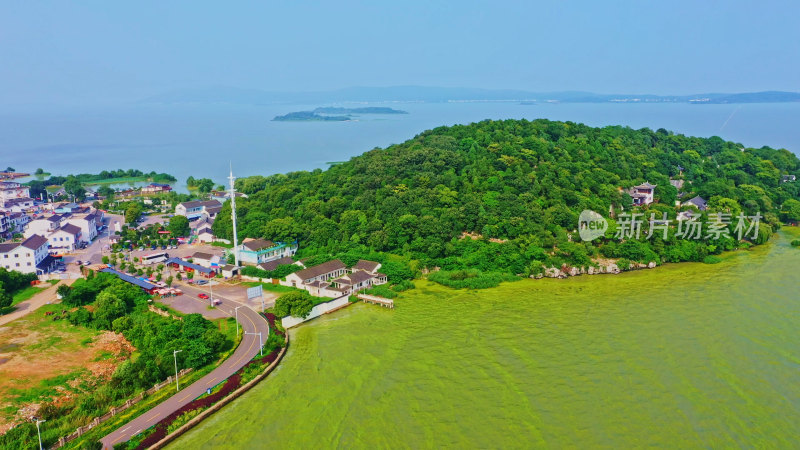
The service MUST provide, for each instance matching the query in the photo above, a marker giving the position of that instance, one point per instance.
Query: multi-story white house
(10, 190)
(259, 251)
(65, 238)
(196, 208)
(43, 226)
(87, 224)
(31, 256)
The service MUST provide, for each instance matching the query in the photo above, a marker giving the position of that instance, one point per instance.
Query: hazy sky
(98, 51)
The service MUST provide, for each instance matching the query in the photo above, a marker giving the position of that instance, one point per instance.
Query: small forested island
(504, 197)
(363, 110)
(324, 114)
(309, 116)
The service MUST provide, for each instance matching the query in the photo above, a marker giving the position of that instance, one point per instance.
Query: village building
(205, 259)
(258, 251)
(43, 226)
(156, 188)
(65, 239)
(273, 264)
(185, 266)
(30, 256)
(319, 273)
(205, 235)
(22, 204)
(88, 224)
(229, 271)
(643, 194)
(698, 202)
(145, 285)
(222, 196)
(788, 179)
(5, 225)
(333, 279)
(10, 190)
(195, 209)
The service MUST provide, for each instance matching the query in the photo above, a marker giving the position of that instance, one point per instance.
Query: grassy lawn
(47, 360)
(28, 292)
(116, 181)
(221, 244)
(277, 288)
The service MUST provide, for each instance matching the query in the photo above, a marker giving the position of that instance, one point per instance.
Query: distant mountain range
(437, 94)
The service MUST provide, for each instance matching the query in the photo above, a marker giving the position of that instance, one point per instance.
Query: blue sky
(101, 51)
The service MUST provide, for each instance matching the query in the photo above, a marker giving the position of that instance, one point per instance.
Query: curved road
(250, 322)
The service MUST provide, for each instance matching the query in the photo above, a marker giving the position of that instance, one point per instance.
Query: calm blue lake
(200, 140)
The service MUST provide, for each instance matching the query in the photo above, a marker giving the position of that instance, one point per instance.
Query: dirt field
(42, 360)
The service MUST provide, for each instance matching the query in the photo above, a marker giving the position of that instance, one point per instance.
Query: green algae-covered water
(686, 355)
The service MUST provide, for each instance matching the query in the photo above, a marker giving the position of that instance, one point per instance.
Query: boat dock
(387, 302)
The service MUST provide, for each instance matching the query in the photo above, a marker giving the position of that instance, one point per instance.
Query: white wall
(322, 308)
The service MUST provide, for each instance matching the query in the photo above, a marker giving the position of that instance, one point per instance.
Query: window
(17, 264)
(29, 264)
(16, 255)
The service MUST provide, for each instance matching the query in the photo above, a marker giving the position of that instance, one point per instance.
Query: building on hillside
(65, 239)
(18, 221)
(211, 213)
(205, 235)
(367, 266)
(156, 188)
(788, 179)
(643, 194)
(195, 209)
(698, 202)
(686, 215)
(258, 251)
(30, 256)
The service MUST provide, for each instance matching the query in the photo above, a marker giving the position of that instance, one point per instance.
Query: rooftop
(322, 269)
(272, 265)
(369, 266)
(34, 242)
(257, 244)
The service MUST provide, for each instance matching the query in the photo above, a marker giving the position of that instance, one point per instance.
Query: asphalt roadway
(250, 322)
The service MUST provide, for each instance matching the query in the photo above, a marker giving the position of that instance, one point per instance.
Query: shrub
(403, 286)
(470, 278)
(623, 264)
(711, 259)
(296, 303)
(796, 243)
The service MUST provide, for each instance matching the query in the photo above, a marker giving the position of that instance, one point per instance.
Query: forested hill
(516, 187)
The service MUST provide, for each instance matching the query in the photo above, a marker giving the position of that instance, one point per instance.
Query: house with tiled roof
(65, 238)
(30, 256)
(333, 279)
(259, 251)
(698, 202)
(195, 209)
(643, 194)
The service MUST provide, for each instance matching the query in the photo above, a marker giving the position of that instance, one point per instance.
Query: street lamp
(175, 356)
(39, 433)
(236, 310)
(260, 342)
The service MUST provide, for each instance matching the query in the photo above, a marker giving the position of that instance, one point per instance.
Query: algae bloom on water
(686, 355)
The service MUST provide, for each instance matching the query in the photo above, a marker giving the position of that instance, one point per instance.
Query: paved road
(250, 321)
(48, 295)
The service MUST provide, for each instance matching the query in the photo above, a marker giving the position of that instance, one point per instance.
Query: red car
(203, 296)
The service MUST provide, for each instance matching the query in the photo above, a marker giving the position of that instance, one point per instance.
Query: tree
(39, 171)
(295, 303)
(74, 188)
(6, 299)
(108, 307)
(792, 210)
(132, 213)
(169, 281)
(179, 226)
(10, 169)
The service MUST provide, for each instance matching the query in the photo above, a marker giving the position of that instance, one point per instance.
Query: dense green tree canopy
(515, 187)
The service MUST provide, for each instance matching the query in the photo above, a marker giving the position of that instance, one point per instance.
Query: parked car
(201, 282)
(203, 296)
(216, 302)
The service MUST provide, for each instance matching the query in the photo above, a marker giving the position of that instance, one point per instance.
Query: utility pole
(39, 433)
(175, 356)
(231, 178)
(236, 310)
(260, 342)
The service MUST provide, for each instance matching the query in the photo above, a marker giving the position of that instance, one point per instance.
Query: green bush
(403, 286)
(711, 259)
(470, 278)
(296, 303)
(796, 243)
